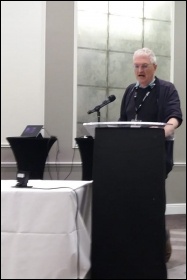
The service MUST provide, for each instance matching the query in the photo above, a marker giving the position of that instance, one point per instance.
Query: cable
(71, 163)
(56, 158)
(48, 160)
(57, 154)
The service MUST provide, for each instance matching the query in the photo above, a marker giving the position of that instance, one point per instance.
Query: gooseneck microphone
(110, 99)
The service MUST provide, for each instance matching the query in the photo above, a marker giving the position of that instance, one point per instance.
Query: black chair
(86, 147)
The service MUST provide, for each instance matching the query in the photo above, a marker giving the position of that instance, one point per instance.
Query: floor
(177, 263)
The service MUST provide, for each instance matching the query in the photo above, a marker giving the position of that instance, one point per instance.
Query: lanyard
(137, 109)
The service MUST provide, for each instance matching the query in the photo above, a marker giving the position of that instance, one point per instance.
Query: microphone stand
(98, 116)
(97, 108)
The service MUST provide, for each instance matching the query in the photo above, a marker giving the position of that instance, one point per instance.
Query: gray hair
(147, 52)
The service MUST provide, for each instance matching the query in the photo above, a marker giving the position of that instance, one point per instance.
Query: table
(45, 230)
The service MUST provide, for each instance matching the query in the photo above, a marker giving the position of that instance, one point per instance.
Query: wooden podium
(128, 202)
(31, 154)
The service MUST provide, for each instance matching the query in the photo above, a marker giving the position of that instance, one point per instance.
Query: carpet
(177, 263)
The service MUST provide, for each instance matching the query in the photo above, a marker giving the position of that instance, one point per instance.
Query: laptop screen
(31, 131)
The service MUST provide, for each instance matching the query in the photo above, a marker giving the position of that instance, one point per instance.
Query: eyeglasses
(143, 66)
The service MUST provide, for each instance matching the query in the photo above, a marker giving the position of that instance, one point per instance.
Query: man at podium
(151, 99)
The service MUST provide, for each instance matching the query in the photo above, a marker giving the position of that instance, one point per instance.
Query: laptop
(32, 131)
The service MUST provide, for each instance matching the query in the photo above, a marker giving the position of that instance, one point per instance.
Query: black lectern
(31, 154)
(128, 203)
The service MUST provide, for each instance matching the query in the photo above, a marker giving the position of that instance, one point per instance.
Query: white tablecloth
(45, 230)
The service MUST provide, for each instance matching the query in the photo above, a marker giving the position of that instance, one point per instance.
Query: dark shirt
(143, 105)
(160, 105)
(167, 100)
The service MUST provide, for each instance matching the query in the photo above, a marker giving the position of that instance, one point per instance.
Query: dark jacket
(168, 107)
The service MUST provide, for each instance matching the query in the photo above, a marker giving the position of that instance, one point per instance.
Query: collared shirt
(152, 84)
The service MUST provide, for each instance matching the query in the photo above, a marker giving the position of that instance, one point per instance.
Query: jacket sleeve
(168, 102)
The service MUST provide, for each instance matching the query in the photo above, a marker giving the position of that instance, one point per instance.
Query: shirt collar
(151, 85)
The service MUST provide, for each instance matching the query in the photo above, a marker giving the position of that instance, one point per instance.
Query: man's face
(144, 70)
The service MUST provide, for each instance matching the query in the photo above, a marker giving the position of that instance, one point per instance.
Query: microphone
(110, 99)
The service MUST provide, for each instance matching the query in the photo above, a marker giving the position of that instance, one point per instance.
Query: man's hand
(170, 127)
(169, 130)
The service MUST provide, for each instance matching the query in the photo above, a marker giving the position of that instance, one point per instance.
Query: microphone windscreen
(112, 98)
